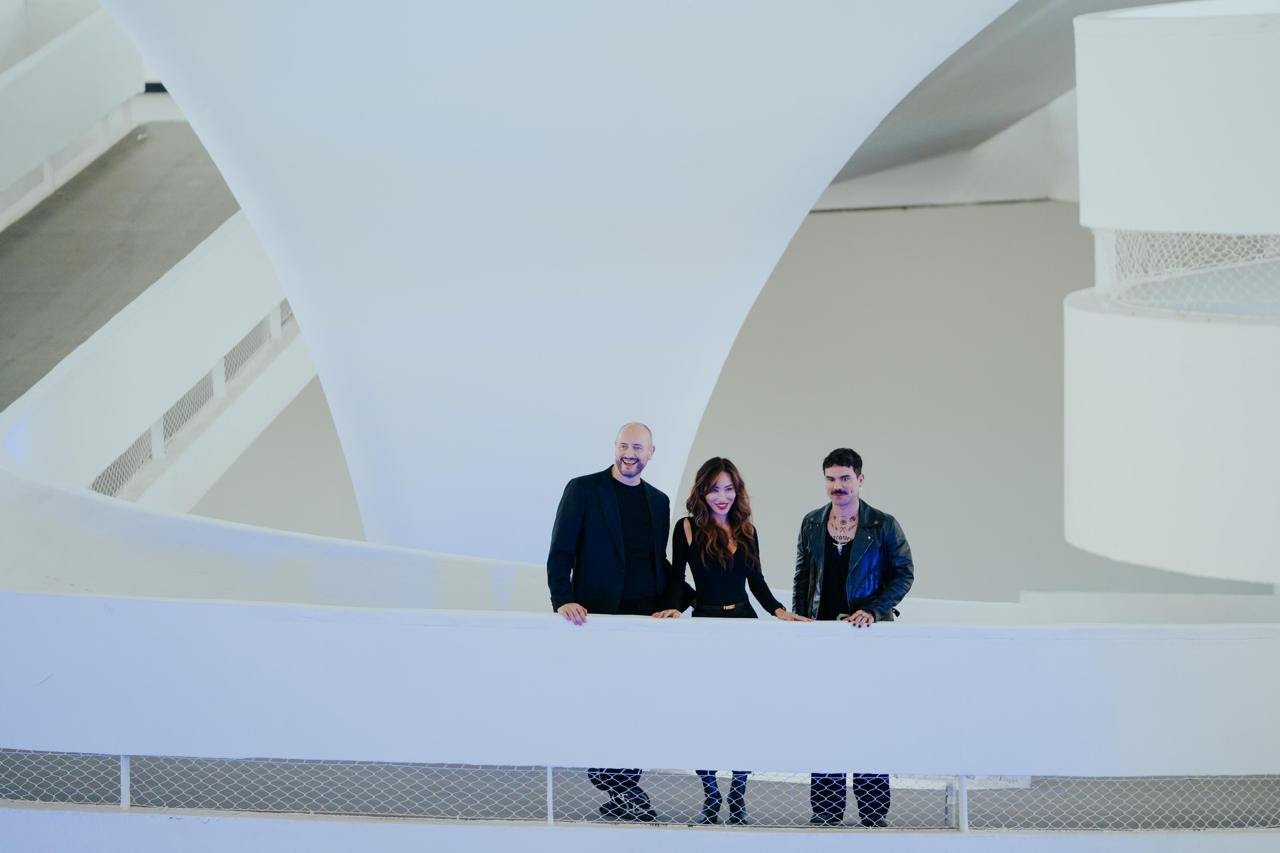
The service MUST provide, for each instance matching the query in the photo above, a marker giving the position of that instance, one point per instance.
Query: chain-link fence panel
(1236, 274)
(440, 791)
(1142, 803)
(114, 477)
(617, 795)
(742, 798)
(187, 406)
(247, 348)
(59, 777)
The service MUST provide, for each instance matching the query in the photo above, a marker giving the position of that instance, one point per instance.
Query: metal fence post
(274, 323)
(219, 376)
(551, 798)
(962, 804)
(157, 439)
(126, 796)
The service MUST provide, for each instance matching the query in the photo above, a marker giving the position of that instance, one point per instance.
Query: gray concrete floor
(85, 252)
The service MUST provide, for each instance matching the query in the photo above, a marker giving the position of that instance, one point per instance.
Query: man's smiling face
(632, 450)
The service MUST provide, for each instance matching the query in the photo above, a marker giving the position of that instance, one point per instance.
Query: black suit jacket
(587, 560)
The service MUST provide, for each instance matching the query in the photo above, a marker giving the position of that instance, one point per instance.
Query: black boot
(710, 798)
(738, 799)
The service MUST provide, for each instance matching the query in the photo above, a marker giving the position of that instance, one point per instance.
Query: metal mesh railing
(679, 797)
(187, 406)
(1128, 803)
(59, 777)
(117, 475)
(121, 471)
(1234, 274)
(248, 346)
(755, 799)
(440, 791)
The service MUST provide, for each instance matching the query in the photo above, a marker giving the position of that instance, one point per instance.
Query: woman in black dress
(718, 543)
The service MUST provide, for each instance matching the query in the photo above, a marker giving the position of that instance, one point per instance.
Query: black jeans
(617, 782)
(870, 791)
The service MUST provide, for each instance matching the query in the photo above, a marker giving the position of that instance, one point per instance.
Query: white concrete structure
(1171, 413)
(67, 74)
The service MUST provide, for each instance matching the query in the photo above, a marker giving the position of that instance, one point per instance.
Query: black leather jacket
(880, 549)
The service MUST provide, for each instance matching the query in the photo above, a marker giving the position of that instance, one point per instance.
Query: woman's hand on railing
(787, 616)
(575, 613)
(667, 614)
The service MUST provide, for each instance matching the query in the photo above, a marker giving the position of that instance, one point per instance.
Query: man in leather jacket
(852, 563)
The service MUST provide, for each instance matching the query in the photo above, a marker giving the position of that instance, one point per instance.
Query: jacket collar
(868, 517)
(609, 503)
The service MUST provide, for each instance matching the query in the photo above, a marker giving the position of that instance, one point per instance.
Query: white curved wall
(564, 234)
(1178, 131)
(1171, 453)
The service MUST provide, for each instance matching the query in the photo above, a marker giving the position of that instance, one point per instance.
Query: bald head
(632, 450)
(633, 429)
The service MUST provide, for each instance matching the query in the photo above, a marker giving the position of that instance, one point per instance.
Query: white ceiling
(1019, 63)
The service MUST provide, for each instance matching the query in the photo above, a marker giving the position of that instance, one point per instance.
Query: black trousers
(618, 782)
(870, 791)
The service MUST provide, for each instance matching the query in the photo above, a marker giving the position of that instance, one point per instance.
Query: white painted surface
(1178, 131)
(56, 92)
(1171, 453)
(88, 830)
(293, 477)
(490, 688)
(74, 422)
(1031, 160)
(541, 209)
(199, 456)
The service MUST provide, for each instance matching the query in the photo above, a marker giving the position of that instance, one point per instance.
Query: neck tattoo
(842, 530)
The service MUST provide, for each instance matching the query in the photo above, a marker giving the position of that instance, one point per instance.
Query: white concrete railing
(67, 73)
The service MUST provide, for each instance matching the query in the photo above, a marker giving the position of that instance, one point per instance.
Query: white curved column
(507, 228)
(1173, 360)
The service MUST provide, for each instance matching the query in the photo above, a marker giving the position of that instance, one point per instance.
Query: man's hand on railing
(861, 618)
(575, 613)
(667, 614)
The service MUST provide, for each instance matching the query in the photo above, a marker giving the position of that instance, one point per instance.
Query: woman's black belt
(734, 606)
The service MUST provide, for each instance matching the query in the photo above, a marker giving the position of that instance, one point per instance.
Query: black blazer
(587, 560)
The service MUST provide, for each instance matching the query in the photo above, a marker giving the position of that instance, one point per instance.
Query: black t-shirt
(835, 574)
(640, 580)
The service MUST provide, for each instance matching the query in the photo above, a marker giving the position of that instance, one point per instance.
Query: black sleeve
(800, 583)
(901, 572)
(759, 586)
(564, 545)
(675, 597)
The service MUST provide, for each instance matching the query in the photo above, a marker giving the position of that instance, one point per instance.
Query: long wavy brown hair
(716, 540)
